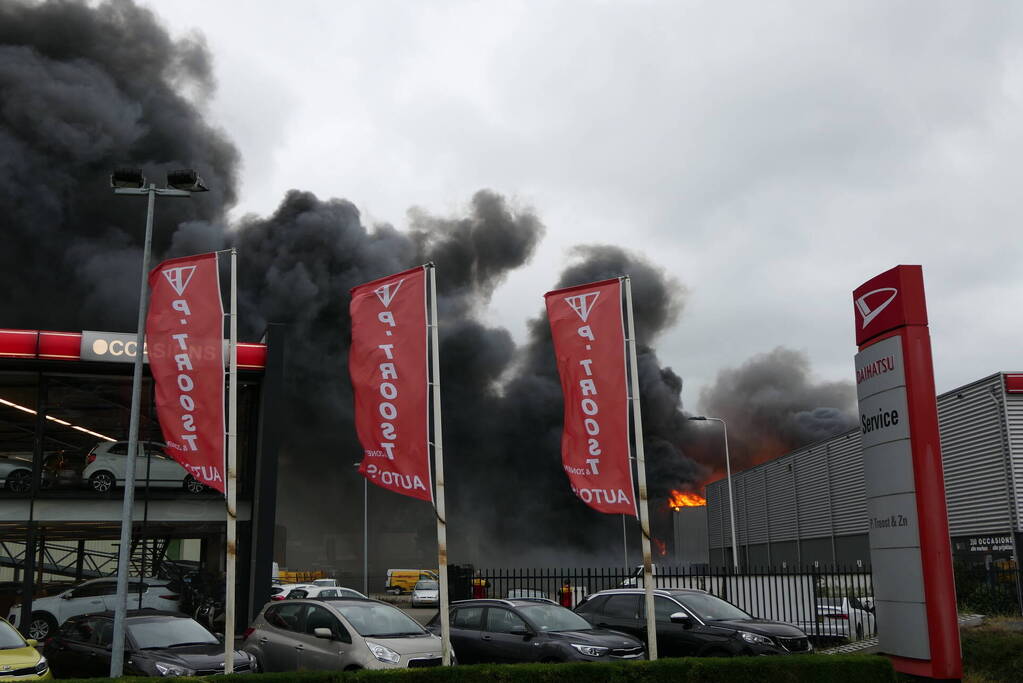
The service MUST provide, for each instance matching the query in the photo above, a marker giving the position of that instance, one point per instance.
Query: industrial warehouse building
(809, 506)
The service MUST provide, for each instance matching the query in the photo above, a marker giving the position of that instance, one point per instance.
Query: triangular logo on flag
(179, 277)
(386, 294)
(582, 304)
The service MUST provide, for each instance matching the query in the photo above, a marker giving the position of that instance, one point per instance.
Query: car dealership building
(61, 394)
(809, 506)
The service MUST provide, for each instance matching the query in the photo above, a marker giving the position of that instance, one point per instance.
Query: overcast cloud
(770, 156)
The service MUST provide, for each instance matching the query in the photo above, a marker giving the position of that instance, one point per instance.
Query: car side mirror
(32, 642)
(65, 596)
(681, 618)
(324, 633)
(219, 636)
(521, 631)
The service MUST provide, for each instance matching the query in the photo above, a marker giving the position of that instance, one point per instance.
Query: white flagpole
(231, 479)
(438, 457)
(644, 513)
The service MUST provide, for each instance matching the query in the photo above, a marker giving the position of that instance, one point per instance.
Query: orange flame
(679, 500)
(662, 548)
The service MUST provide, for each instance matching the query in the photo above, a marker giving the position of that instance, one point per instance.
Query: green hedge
(994, 653)
(789, 669)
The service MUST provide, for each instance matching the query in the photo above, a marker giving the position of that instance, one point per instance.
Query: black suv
(692, 622)
(531, 631)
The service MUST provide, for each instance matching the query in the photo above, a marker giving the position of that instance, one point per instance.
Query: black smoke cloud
(85, 90)
(89, 88)
(772, 405)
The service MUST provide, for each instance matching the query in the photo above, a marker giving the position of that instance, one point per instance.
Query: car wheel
(192, 485)
(41, 626)
(101, 482)
(19, 481)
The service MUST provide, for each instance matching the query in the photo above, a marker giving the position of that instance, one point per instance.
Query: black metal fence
(825, 601)
(988, 590)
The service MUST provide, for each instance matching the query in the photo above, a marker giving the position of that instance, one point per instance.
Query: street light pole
(731, 493)
(132, 182)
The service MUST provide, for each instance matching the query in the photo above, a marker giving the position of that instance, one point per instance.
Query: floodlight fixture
(186, 179)
(127, 177)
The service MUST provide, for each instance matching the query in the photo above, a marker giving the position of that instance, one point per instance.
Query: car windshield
(426, 586)
(710, 608)
(373, 619)
(9, 638)
(170, 632)
(554, 618)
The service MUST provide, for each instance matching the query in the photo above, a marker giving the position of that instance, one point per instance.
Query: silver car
(333, 634)
(426, 593)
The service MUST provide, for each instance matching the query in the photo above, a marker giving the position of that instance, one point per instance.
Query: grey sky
(771, 156)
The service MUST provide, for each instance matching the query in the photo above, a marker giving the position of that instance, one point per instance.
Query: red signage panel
(892, 299)
(589, 346)
(185, 340)
(387, 363)
(1014, 384)
(914, 588)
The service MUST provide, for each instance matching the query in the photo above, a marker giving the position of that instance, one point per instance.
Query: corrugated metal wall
(812, 492)
(819, 491)
(1014, 410)
(973, 454)
(848, 490)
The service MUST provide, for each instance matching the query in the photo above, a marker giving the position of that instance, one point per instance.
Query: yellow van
(404, 580)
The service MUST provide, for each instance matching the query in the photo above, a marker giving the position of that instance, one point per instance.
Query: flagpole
(438, 455)
(231, 479)
(644, 513)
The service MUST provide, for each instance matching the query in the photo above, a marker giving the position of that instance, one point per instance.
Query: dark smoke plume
(87, 89)
(772, 406)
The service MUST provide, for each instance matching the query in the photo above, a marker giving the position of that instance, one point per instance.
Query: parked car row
(101, 470)
(336, 628)
(95, 595)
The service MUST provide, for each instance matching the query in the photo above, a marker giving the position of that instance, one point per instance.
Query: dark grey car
(509, 631)
(692, 622)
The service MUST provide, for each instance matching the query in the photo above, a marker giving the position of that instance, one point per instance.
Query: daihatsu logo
(865, 310)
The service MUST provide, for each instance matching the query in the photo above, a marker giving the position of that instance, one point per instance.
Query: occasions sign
(589, 344)
(185, 338)
(387, 364)
(914, 593)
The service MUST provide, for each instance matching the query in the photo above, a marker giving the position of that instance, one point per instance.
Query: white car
(846, 617)
(96, 595)
(106, 463)
(426, 593)
(314, 592)
(16, 472)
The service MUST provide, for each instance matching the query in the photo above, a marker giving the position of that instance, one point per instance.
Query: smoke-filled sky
(748, 165)
(772, 156)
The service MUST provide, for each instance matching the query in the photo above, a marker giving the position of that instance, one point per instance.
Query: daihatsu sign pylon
(914, 589)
